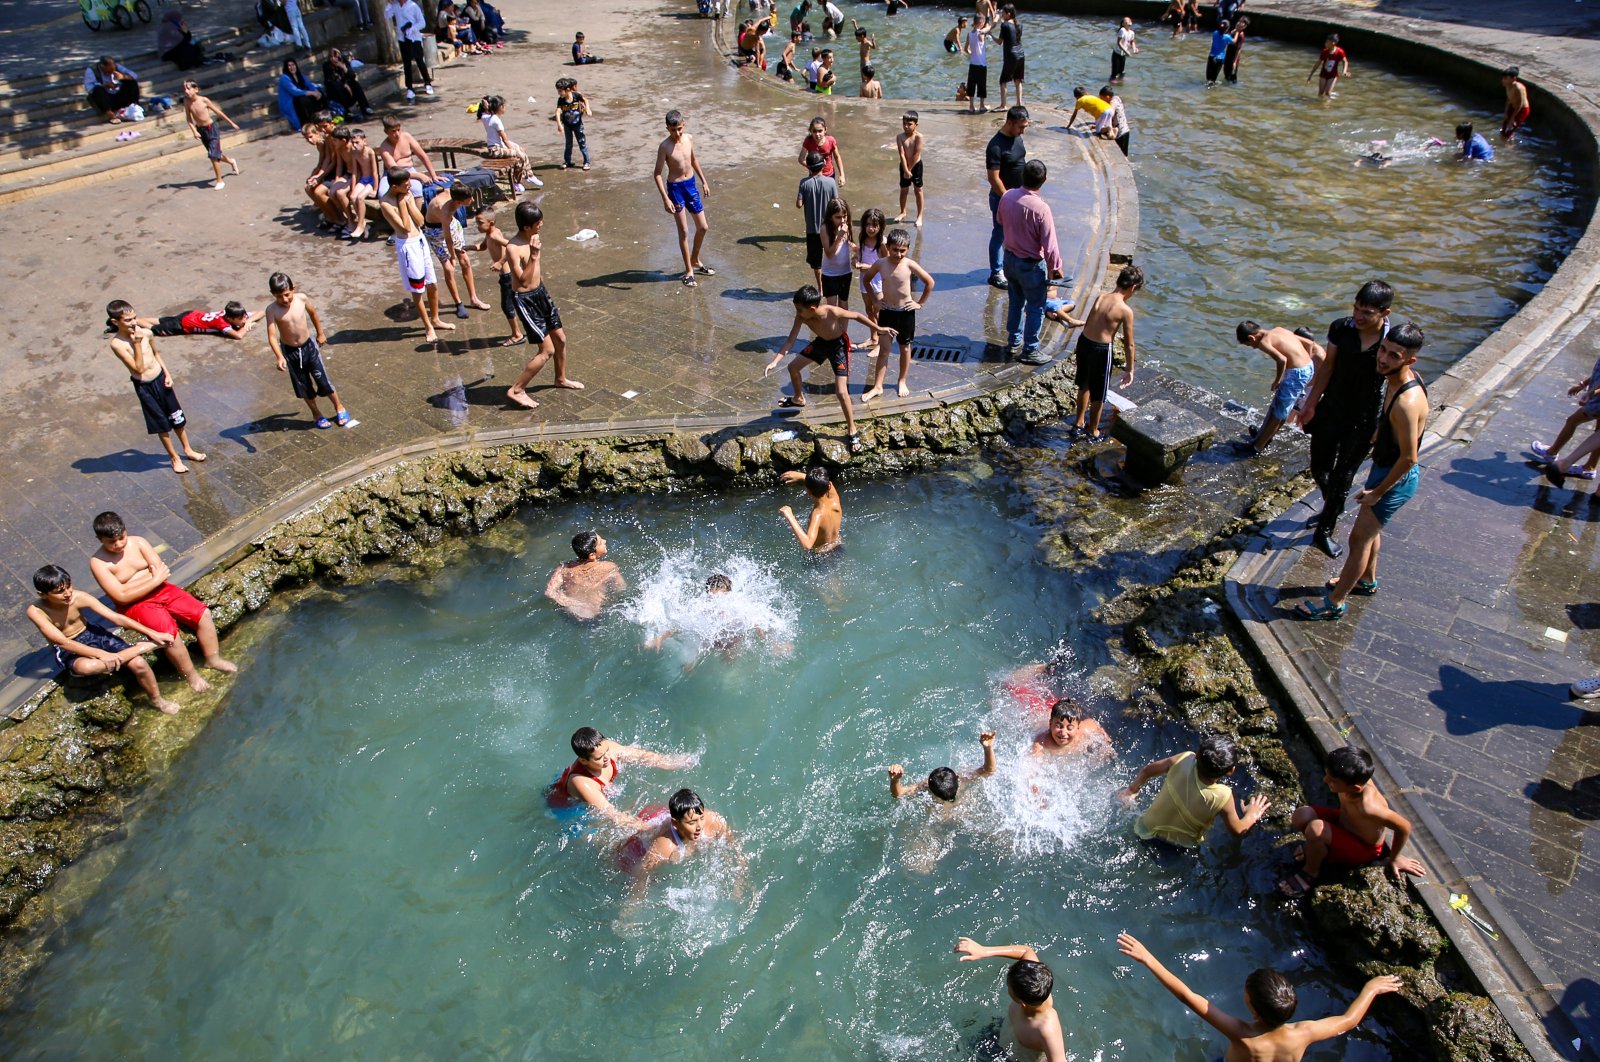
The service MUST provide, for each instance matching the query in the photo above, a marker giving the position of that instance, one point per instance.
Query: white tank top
(835, 265)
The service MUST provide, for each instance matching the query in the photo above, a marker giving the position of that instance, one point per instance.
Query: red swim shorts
(167, 609)
(1344, 847)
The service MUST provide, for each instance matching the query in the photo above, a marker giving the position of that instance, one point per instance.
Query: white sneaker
(517, 189)
(1540, 450)
(535, 181)
(428, 89)
(410, 95)
(1585, 689)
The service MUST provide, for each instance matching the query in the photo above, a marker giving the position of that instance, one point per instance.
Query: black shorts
(835, 352)
(307, 374)
(168, 326)
(915, 180)
(159, 403)
(952, 47)
(904, 323)
(837, 288)
(977, 81)
(1011, 70)
(537, 313)
(211, 137)
(814, 250)
(1094, 368)
(508, 305)
(95, 637)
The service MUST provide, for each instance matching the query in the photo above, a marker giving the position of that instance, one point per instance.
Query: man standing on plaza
(1032, 261)
(1342, 404)
(1003, 160)
(408, 22)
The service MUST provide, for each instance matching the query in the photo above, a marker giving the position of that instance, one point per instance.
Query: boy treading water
(1035, 1025)
(821, 533)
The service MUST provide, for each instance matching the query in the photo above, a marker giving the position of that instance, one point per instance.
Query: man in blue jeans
(1032, 261)
(1003, 160)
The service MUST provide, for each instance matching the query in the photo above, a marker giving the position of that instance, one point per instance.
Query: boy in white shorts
(404, 218)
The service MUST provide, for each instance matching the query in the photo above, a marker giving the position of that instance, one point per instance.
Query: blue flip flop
(1323, 610)
(324, 422)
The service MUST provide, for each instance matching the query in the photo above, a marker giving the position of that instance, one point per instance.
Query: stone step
(71, 145)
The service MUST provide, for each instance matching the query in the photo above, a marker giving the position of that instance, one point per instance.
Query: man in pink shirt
(1032, 261)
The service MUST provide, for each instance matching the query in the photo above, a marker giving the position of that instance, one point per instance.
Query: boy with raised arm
(291, 320)
(897, 306)
(943, 783)
(404, 218)
(599, 761)
(821, 534)
(136, 580)
(1296, 361)
(1193, 795)
(1271, 999)
(908, 146)
(1035, 1025)
(827, 325)
(682, 183)
(152, 383)
(581, 586)
(199, 110)
(1109, 314)
(86, 648)
(1350, 835)
(537, 311)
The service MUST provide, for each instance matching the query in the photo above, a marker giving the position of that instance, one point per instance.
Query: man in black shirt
(1003, 160)
(1342, 404)
(1012, 60)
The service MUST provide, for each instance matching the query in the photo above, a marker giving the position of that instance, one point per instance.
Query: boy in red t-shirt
(232, 322)
(1332, 64)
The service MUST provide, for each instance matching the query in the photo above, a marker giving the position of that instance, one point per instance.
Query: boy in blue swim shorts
(1296, 360)
(85, 648)
(681, 183)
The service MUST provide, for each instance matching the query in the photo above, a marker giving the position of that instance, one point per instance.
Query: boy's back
(1109, 313)
(1295, 350)
(815, 193)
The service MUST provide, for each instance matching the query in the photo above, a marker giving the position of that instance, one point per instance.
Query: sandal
(790, 402)
(1297, 885)
(324, 422)
(689, 282)
(1363, 587)
(1326, 610)
(705, 270)
(855, 444)
(343, 418)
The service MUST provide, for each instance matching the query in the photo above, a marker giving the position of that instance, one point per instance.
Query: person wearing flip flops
(1350, 835)
(1394, 476)
(829, 344)
(1587, 392)
(681, 188)
(291, 319)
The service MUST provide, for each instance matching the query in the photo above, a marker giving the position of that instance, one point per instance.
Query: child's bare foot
(510, 341)
(902, 389)
(919, 221)
(571, 385)
(520, 397)
(196, 683)
(875, 393)
(900, 216)
(194, 455)
(166, 707)
(179, 466)
(431, 336)
(478, 304)
(444, 325)
(227, 667)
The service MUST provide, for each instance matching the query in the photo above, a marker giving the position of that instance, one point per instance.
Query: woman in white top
(500, 146)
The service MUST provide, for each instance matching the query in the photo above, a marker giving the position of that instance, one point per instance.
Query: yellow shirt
(1184, 809)
(1094, 105)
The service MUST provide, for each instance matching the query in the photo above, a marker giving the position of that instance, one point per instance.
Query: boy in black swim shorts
(83, 647)
(1110, 314)
(827, 324)
(231, 322)
(908, 145)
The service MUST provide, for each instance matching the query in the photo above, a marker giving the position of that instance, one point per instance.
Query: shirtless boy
(199, 111)
(943, 783)
(400, 148)
(599, 761)
(449, 243)
(685, 829)
(1517, 107)
(1350, 835)
(908, 145)
(135, 579)
(682, 183)
(364, 165)
(495, 242)
(404, 217)
(1073, 733)
(1109, 314)
(1035, 1025)
(827, 325)
(581, 586)
(1295, 359)
(897, 306)
(318, 132)
(291, 319)
(821, 534)
(86, 648)
(131, 342)
(1268, 1036)
(540, 318)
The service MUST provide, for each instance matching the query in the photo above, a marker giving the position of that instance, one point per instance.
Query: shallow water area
(355, 858)
(1254, 198)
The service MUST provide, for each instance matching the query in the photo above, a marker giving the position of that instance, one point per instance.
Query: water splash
(672, 600)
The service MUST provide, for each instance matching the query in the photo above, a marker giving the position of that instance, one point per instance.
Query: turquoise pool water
(354, 859)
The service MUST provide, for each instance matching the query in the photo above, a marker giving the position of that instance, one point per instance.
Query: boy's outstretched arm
(971, 951)
(1154, 769)
(1254, 810)
(897, 786)
(986, 739)
(1339, 1024)
(783, 351)
(1221, 1020)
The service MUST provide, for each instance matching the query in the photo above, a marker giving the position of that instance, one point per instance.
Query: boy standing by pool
(1193, 795)
(829, 344)
(1518, 109)
(821, 534)
(1296, 362)
(1350, 835)
(540, 318)
(1332, 64)
(1271, 1000)
(152, 383)
(897, 308)
(1109, 315)
(681, 185)
(1035, 1025)
(908, 145)
(199, 110)
(86, 648)
(291, 319)
(404, 218)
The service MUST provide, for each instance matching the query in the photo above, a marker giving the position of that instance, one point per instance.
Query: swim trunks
(508, 305)
(904, 323)
(537, 313)
(915, 180)
(368, 181)
(1396, 496)
(685, 195)
(1344, 847)
(836, 287)
(1517, 120)
(836, 352)
(814, 250)
(159, 403)
(559, 796)
(95, 637)
(1094, 368)
(1013, 69)
(435, 234)
(307, 375)
(211, 137)
(1295, 382)
(631, 853)
(952, 47)
(416, 264)
(166, 608)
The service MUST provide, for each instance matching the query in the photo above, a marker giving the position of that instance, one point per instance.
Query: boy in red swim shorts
(1351, 834)
(1518, 109)
(128, 570)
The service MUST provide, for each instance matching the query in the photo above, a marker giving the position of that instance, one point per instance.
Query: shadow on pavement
(124, 461)
(1471, 705)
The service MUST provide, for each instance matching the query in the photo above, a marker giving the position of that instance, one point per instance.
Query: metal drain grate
(950, 355)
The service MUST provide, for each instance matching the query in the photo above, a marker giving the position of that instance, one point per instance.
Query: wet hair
(1464, 131)
(898, 238)
(278, 283)
(397, 174)
(114, 310)
(868, 73)
(1350, 765)
(910, 116)
(584, 543)
(674, 117)
(1009, 10)
(585, 740)
(719, 582)
(861, 31)
(50, 578)
(190, 82)
(1030, 982)
(1512, 72)
(342, 133)
(391, 121)
(1247, 331)
(235, 309)
(943, 783)
(1065, 708)
(1216, 756)
(1305, 333)
(815, 161)
(460, 193)
(1034, 171)
(817, 481)
(109, 525)
(1375, 295)
(807, 296)
(827, 53)
(1272, 997)
(528, 215)
(1078, 90)
(962, 21)
(869, 215)
(1130, 277)
(1017, 113)
(1107, 90)
(1406, 335)
(682, 802)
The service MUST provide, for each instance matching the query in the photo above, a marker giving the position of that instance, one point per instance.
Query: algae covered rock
(1467, 1028)
(1365, 917)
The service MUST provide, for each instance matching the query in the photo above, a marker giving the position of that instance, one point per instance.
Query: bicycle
(120, 13)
